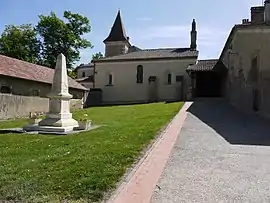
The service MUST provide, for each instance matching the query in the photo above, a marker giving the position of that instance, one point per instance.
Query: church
(129, 74)
(241, 74)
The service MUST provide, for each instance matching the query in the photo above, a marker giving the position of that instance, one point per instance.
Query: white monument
(59, 118)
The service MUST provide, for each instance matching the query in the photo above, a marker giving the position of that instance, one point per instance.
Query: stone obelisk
(59, 118)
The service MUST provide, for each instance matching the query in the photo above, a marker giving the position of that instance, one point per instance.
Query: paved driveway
(220, 155)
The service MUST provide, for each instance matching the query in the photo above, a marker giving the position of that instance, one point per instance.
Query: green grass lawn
(83, 167)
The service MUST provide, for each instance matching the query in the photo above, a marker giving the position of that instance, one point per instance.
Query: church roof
(153, 54)
(118, 32)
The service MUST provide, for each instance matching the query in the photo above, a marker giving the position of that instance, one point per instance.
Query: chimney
(257, 15)
(245, 21)
(193, 36)
(267, 12)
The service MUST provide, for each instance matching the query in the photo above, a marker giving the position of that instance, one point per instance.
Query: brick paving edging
(140, 184)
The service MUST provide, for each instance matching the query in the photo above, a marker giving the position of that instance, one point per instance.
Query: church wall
(242, 80)
(124, 88)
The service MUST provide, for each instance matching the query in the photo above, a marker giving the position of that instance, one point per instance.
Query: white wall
(125, 88)
(88, 85)
(87, 70)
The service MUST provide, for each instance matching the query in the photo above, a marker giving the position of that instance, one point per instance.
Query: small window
(169, 79)
(152, 79)
(110, 79)
(5, 89)
(139, 74)
(83, 74)
(35, 93)
(179, 78)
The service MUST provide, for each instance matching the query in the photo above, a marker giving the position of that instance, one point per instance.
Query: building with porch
(242, 72)
(208, 78)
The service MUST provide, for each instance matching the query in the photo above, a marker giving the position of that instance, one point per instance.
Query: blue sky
(148, 23)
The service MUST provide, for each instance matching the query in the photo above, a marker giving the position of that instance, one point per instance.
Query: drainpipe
(94, 74)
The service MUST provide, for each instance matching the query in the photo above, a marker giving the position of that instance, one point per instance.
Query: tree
(51, 36)
(20, 42)
(98, 55)
(72, 74)
(60, 37)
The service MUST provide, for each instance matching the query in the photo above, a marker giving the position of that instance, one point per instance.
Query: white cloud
(210, 39)
(144, 19)
(85, 55)
(207, 35)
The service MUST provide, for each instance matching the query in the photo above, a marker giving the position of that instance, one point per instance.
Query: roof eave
(144, 59)
(228, 41)
(78, 88)
(234, 30)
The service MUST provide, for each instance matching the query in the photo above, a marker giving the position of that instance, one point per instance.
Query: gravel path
(220, 156)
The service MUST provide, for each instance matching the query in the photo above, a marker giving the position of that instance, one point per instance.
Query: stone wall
(12, 106)
(249, 71)
(28, 88)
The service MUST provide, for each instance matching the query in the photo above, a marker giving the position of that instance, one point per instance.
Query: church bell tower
(117, 43)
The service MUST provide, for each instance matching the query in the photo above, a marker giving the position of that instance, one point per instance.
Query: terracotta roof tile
(20, 69)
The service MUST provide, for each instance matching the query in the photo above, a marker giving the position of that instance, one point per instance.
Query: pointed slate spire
(118, 32)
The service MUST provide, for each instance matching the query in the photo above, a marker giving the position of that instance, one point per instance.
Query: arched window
(110, 80)
(139, 74)
(169, 79)
(5, 89)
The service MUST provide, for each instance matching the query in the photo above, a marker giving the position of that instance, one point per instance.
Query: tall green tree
(59, 36)
(98, 55)
(20, 42)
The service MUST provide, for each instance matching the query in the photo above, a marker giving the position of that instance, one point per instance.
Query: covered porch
(208, 78)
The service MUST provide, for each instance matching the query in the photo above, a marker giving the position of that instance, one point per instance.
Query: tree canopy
(20, 42)
(51, 36)
(98, 55)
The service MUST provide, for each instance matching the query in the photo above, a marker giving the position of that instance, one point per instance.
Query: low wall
(12, 106)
